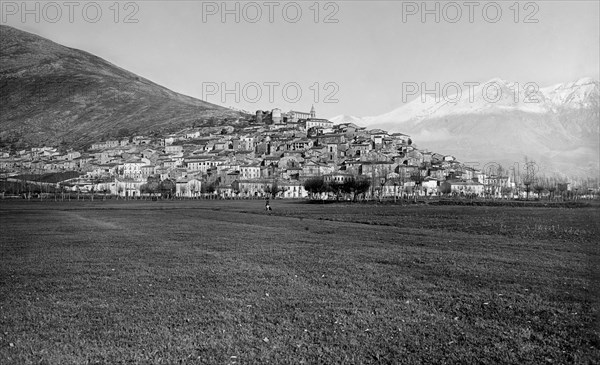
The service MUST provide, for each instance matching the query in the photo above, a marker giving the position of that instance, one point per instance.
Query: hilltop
(53, 95)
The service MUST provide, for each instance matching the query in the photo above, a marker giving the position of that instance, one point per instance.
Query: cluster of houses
(275, 153)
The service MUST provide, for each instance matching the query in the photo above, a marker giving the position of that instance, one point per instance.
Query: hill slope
(51, 94)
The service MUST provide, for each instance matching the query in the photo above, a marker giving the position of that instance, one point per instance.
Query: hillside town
(274, 155)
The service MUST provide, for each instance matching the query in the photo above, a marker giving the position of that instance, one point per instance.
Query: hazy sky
(345, 57)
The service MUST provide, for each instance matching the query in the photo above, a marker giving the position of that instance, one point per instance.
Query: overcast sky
(345, 57)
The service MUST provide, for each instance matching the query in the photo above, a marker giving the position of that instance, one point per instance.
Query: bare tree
(494, 173)
(418, 179)
(275, 189)
(184, 190)
(380, 175)
(550, 185)
(396, 180)
(562, 188)
(530, 169)
(539, 189)
(193, 190)
(506, 191)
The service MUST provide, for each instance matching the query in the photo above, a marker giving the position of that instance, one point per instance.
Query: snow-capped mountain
(494, 96)
(340, 119)
(574, 95)
(502, 121)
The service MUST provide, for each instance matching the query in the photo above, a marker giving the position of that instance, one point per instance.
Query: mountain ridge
(75, 98)
(560, 130)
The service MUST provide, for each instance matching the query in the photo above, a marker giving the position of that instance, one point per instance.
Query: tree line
(354, 187)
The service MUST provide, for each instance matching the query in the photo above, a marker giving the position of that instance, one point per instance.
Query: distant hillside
(51, 94)
(560, 130)
(341, 119)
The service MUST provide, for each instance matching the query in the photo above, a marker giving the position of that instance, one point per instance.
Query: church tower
(313, 114)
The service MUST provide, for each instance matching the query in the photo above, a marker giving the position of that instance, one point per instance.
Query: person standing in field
(268, 207)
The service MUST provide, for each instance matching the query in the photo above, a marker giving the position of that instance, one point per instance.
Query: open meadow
(221, 282)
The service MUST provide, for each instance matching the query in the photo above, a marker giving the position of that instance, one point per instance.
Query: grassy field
(220, 282)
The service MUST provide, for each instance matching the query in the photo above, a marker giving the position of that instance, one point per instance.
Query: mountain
(581, 94)
(51, 94)
(340, 119)
(556, 126)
